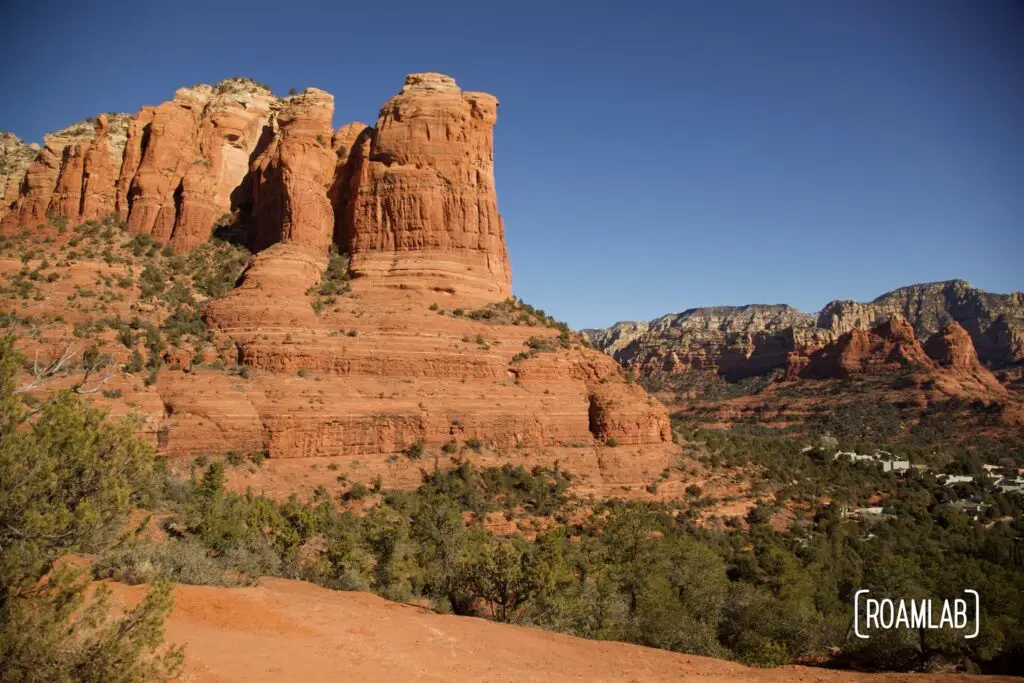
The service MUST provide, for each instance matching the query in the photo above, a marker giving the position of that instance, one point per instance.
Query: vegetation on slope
(68, 480)
(171, 289)
(640, 572)
(755, 590)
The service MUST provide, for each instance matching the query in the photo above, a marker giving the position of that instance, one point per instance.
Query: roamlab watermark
(887, 614)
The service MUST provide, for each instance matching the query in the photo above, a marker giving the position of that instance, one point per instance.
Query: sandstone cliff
(15, 157)
(188, 156)
(994, 321)
(889, 347)
(862, 372)
(738, 342)
(170, 170)
(424, 205)
(414, 204)
(412, 200)
(374, 324)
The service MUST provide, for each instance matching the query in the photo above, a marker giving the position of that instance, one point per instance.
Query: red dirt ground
(293, 631)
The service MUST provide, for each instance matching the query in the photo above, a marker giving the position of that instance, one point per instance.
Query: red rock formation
(15, 157)
(392, 371)
(194, 151)
(351, 144)
(425, 208)
(171, 171)
(292, 177)
(37, 188)
(360, 376)
(86, 185)
(625, 414)
(953, 351)
(102, 166)
(889, 347)
(947, 365)
(952, 348)
(155, 192)
(137, 141)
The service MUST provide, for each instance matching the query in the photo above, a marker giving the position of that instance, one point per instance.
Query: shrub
(183, 561)
(151, 282)
(612, 442)
(68, 480)
(185, 322)
(474, 445)
(336, 278)
(416, 450)
(357, 491)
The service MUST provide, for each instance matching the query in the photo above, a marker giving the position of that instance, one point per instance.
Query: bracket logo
(888, 614)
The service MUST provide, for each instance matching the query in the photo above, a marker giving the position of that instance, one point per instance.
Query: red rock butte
(412, 201)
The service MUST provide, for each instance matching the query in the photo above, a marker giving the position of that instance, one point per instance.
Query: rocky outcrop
(951, 347)
(87, 184)
(735, 342)
(890, 355)
(372, 372)
(74, 175)
(625, 414)
(738, 342)
(360, 375)
(292, 176)
(412, 200)
(193, 153)
(351, 144)
(170, 171)
(888, 348)
(41, 176)
(613, 339)
(15, 157)
(137, 138)
(424, 208)
(995, 322)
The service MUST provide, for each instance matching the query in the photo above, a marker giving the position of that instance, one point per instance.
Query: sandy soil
(293, 631)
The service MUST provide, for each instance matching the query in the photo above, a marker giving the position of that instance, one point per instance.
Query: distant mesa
(745, 341)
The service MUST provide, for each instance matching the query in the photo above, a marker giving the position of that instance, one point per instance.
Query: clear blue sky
(650, 157)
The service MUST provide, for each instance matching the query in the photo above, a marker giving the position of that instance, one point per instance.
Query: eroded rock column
(424, 206)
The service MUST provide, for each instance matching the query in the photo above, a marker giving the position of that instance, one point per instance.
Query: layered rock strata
(414, 202)
(390, 364)
(739, 342)
(15, 157)
(187, 156)
(170, 171)
(888, 348)
(424, 206)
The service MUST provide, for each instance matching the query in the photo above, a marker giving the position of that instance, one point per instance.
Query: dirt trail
(293, 631)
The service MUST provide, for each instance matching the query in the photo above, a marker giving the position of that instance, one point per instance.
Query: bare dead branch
(81, 387)
(57, 367)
